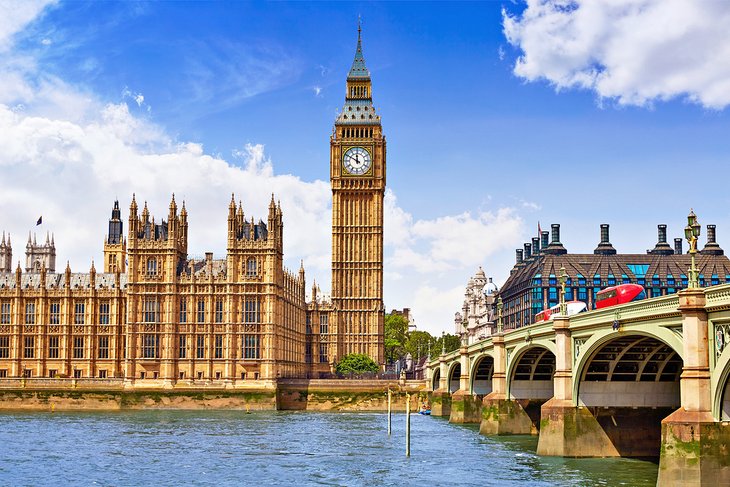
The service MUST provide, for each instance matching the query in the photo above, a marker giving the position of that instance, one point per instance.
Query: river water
(281, 448)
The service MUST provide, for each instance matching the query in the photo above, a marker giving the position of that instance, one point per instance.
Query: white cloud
(15, 16)
(429, 261)
(46, 41)
(632, 51)
(317, 90)
(448, 242)
(68, 154)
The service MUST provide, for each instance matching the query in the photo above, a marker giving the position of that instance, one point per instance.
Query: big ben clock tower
(357, 176)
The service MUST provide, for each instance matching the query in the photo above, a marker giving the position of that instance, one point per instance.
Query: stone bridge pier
(695, 448)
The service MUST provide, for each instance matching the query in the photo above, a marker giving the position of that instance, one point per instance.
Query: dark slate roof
(31, 280)
(589, 265)
(358, 69)
(358, 112)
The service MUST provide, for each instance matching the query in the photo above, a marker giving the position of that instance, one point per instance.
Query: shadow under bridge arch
(630, 382)
(481, 375)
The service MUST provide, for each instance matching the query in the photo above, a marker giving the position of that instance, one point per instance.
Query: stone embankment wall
(349, 395)
(315, 395)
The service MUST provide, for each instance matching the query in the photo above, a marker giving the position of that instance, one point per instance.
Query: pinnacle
(358, 69)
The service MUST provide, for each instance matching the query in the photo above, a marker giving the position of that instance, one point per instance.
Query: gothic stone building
(533, 284)
(167, 317)
(154, 314)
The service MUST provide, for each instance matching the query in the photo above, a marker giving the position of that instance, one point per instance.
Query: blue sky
(498, 115)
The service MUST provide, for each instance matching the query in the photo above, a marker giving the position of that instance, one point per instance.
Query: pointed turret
(133, 206)
(115, 225)
(92, 275)
(6, 255)
(358, 69)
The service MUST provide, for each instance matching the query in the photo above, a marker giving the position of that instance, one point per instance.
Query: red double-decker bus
(624, 293)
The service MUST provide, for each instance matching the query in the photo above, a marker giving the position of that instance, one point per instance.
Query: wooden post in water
(389, 409)
(408, 424)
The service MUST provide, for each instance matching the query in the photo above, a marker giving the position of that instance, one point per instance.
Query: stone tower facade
(39, 256)
(357, 176)
(115, 245)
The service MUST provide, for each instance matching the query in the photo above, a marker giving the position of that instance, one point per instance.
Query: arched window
(152, 266)
(251, 267)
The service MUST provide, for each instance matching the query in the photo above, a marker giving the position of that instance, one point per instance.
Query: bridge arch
(481, 374)
(436, 379)
(599, 340)
(454, 376)
(530, 370)
(629, 380)
(720, 386)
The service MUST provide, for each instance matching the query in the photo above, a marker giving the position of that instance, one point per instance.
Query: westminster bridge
(643, 379)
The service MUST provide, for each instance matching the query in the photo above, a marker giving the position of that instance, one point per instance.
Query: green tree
(356, 363)
(419, 342)
(453, 342)
(396, 336)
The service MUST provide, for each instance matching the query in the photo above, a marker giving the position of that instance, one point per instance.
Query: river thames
(281, 448)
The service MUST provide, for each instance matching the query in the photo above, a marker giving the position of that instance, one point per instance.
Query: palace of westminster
(153, 314)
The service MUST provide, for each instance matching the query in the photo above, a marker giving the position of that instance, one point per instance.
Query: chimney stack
(518, 256)
(555, 247)
(661, 247)
(545, 242)
(712, 247)
(604, 246)
(678, 246)
(528, 251)
(536, 246)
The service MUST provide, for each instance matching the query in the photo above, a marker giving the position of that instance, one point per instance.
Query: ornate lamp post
(563, 277)
(691, 233)
(499, 314)
(443, 343)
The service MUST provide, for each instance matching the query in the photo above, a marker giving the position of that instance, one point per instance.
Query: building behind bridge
(533, 284)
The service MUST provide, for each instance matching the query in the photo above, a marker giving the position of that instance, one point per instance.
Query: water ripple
(281, 448)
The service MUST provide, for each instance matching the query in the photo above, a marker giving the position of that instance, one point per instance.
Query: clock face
(357, 161)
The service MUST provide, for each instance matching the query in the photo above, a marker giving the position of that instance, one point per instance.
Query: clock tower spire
(357, 177)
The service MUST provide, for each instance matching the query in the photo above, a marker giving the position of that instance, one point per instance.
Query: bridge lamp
(691, 233)
(563, 277)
